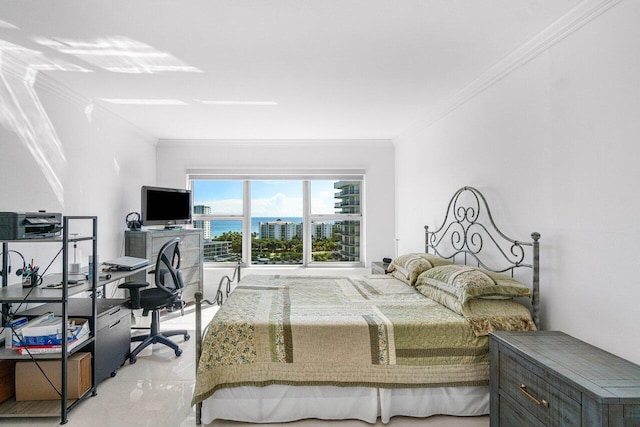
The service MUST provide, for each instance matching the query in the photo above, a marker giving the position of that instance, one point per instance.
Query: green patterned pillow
(455, 285)
(409, 266)
(485, 316)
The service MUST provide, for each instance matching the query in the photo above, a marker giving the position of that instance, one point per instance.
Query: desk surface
(16, 293)
(80, 307)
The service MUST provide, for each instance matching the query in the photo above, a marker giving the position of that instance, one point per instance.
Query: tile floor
(156, 391)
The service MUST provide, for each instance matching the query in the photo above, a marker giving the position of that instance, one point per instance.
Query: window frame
(307, 216)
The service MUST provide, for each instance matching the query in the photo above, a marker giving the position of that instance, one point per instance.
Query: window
(264, 220)
(218, 208)
(276, 217)
(335, 220)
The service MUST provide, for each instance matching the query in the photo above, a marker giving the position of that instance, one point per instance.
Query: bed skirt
(280, 403)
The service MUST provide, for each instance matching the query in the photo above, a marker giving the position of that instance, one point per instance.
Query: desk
(16, 293)
(112, 330)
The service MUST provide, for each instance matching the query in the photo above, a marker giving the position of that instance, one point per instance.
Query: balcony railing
(345, 205)
(347, 193)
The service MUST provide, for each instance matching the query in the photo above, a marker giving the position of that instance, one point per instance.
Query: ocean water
(219, 227)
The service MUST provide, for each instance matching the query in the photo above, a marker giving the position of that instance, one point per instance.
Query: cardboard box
(7, 379)
(32, 385)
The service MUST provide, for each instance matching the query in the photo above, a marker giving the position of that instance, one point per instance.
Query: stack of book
(44, 334)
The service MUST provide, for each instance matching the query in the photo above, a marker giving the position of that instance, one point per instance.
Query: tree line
(322, 248)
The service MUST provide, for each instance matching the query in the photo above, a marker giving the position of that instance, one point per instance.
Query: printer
(29, 225)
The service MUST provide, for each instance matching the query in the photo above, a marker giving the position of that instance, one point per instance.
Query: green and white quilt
(373, 331)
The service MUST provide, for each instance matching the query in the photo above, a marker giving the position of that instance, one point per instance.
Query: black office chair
(165, 295)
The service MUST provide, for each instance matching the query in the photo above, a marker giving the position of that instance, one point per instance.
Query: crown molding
(572, 21)
(276, 143)
(275, 172)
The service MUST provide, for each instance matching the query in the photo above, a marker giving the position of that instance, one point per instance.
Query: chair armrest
(134, 292)
(133, 285)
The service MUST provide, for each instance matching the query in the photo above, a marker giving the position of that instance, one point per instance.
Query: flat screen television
(166, 206)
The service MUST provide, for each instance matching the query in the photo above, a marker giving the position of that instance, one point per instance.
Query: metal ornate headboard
(463, 234)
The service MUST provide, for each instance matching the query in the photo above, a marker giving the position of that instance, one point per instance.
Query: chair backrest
(168, 275)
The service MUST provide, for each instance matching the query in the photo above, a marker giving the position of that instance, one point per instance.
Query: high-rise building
(279, 229)
(322, 230)
(205, 225)
(349, 231)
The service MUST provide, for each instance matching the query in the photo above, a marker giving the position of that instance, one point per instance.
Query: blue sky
(269, 198)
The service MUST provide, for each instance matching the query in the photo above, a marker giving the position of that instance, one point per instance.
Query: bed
(412, 342)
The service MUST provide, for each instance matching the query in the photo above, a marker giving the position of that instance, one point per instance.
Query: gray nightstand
(379, 267)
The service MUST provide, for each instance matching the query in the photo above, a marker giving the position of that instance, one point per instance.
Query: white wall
(101, 162)
(375, 157)
(554, 147)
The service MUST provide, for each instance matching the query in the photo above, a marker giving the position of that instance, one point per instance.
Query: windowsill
(216, 266)
(293, 269)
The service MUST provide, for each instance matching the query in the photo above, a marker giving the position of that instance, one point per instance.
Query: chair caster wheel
(132, 359)
(186, 337)
(178, 352)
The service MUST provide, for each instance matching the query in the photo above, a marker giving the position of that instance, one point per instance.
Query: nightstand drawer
(512, 414)
(527, 390)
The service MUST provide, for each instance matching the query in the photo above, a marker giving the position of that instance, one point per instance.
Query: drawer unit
(113, 338)
(551, 379)
(147, 244)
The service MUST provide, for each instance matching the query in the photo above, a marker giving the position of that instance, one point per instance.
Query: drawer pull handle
(114, 325)
(523, 389)
(114, 312)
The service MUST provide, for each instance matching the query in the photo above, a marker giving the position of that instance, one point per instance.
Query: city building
(279, 229)
(322, 230)
(205, 225)
(349, 231)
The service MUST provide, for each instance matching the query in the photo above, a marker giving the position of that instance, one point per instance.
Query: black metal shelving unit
(15, 294)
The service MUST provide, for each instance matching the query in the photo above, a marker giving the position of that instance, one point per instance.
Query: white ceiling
(295, 69)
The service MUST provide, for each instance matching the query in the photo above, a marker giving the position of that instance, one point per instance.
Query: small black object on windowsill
(386, 260)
